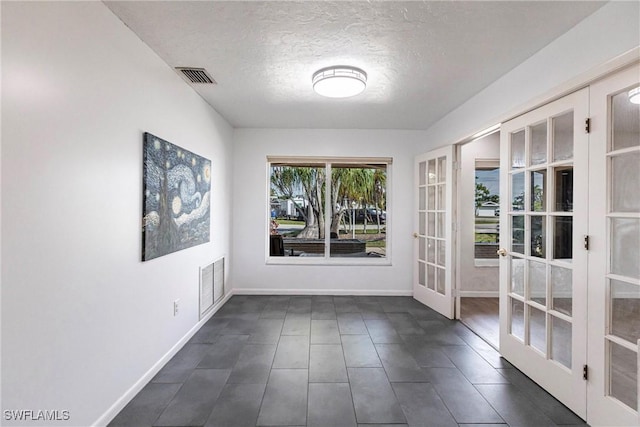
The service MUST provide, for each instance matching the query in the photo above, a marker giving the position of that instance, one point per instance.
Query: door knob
(415, 235)
(502, 252)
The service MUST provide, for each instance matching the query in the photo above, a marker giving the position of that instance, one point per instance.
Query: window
(328, 210)
(487, 212)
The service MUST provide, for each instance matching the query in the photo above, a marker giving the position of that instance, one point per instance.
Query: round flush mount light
(634, 95)
(339, 81)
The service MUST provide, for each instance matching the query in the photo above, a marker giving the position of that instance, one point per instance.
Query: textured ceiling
(423, 59)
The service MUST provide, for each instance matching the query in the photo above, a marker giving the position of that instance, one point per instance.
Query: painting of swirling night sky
(177, 194)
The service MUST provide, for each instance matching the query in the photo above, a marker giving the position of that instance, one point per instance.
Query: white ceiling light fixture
(634, 95)
(339, 81)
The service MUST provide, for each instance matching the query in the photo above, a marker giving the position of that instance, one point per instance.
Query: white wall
(565, 64)
(472, 278)
(82, 318)
(251, 148)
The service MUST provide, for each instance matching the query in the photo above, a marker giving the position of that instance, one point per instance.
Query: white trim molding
(337, 292)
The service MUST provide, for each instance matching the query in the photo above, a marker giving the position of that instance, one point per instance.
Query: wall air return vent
(211, 286)
(196, 75)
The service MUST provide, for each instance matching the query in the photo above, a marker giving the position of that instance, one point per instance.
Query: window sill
(368, 262)
(486, 262)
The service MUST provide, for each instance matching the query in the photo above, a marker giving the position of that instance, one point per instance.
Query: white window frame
(327, 259)
(481, 163)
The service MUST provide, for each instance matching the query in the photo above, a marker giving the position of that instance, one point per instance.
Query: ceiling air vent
(196, 75)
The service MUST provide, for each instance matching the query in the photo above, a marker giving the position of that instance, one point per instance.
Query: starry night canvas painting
(177, 195)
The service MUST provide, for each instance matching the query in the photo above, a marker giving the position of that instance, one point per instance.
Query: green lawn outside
(289, 222)
(484, 220)
(486, 238)
(377, 244)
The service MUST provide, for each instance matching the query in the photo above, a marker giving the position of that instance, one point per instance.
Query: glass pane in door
(431, 277)
(623, 375)
(517, 149)
(563, 188)
(539, 144)
(538, 190)
(538, 282)
(517, 234)
(563, 137)
(517, 276)
(440, 224)
(431, 224)
(517, 191)
(442, 169)
(538, 236)
(431, 173)
(625, 247)
(563, 238)
(422, 174)
(441, 280)
(625, 182)
(442, 188)
(537, 329)
(625, 122)
(441, 253)
(624, 309)
(561, 341)
(562, 290)
(517, 319)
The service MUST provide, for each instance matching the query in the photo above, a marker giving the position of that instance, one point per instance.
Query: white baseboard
(119, 405)
(366, 292)
(479, 294)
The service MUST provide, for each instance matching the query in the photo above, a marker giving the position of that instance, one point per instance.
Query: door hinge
(456, 166)
(585, 372)
(587, 125)
(586, 242)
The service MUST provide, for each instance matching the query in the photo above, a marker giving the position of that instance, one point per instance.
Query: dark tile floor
(338, 362)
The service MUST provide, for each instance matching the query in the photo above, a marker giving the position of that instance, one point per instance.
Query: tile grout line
(270, 369)
(306, 414)
(344, 359)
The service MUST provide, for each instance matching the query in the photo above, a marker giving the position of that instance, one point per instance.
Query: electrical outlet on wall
(176, 307)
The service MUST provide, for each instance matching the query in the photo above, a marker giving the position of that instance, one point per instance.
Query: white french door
(543, 267)
(614, 258)
(432, 272)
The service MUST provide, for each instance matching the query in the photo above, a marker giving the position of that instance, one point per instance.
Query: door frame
(458, 169)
